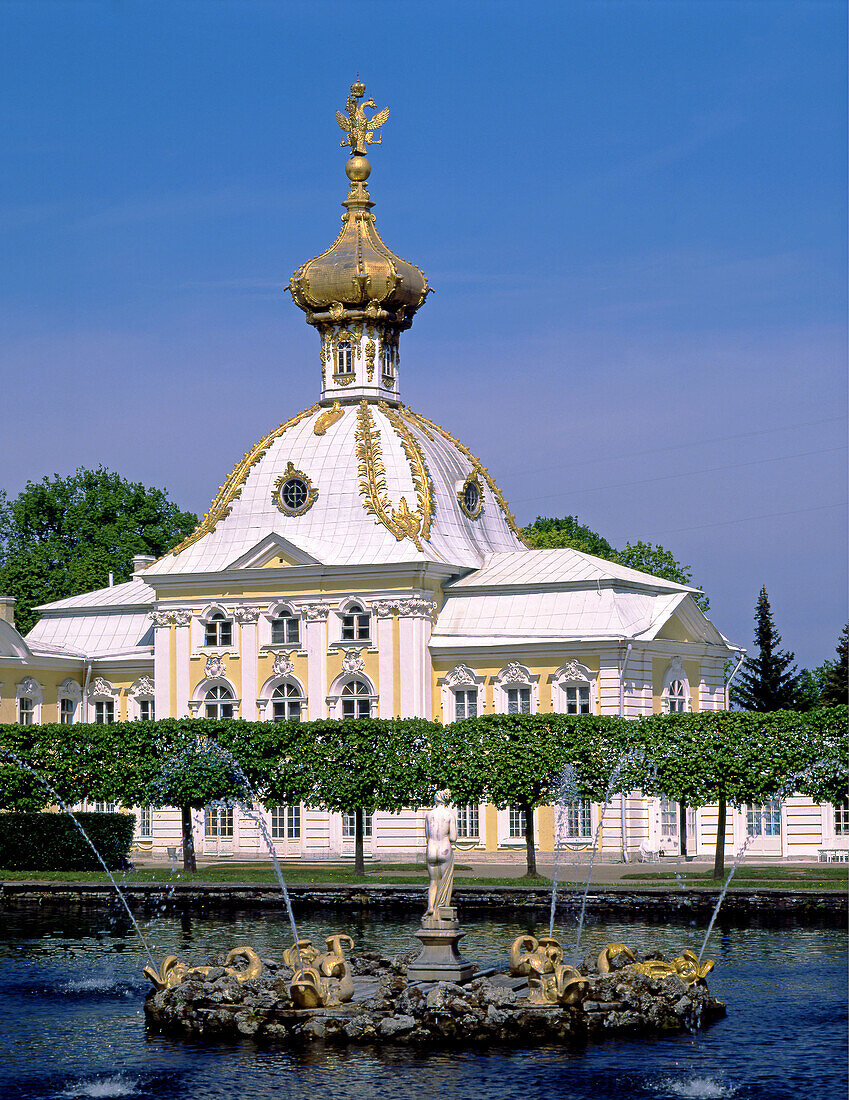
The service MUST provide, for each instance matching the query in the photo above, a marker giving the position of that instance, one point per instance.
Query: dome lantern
(358, 293)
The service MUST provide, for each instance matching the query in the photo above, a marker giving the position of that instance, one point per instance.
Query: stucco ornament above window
(215, 666)
(283, 665)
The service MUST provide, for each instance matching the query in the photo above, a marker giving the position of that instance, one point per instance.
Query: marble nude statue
(441, 835)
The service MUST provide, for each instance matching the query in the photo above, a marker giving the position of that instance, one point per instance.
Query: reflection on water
(71, 1020)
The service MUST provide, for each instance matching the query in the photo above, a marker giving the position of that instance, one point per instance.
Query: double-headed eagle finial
(359, 129)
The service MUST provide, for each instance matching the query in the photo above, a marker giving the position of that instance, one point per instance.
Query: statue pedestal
(440, 961)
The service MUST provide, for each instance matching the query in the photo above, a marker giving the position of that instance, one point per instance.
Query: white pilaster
(247, 619)
(182, 620)
(385, 612)
(316, 623)
(161, 663)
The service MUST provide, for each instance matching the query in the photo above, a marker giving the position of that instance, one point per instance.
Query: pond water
(72, 1025)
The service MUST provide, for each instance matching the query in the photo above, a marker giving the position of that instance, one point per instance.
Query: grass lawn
(819, 876)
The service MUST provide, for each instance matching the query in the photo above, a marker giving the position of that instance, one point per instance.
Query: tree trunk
(189, 861)
(719, 859)
(529, 837)
(359, 847)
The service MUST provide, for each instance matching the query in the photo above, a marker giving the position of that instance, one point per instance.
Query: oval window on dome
(293, 492)
(471, 497)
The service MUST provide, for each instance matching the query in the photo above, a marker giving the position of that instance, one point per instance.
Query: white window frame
(141, 691)
(573, 675)
(503, 829)
(344, 358)
(840, 818)
(144, 822)
(335, 695)
(265, 701)
(197, 703)
(674, 675)
(477, 812)
(282, 609)
(101, 691)
(292, 816)
(514, 675)
(582, 808)
(69, 691)
(200, 623)
(349, 826)
(212, 824)
(461, 676)
(465, 700)
(32, 691)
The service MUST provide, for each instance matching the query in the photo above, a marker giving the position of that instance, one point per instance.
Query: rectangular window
(218, 822)
(468, 822)
(578, 819)
(349, 826)
(355, 627)
(286, 823)
(516, 824)
(26, 711)
(104, 713)
(465, 704)
(669, 817)
(577, 699)
(100, 807)
(841, 818)
(66, 711)
(145, 822)
(519, 700)
(285, 630)
(763, 818)
(146, 710)
(343, 359)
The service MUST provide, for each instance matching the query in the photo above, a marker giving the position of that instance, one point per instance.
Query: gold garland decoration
(422, 482)
(402, 523)
(420, 421)
(328, 418)
(231, 490)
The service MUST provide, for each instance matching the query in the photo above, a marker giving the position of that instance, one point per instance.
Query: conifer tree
(768, 681)
(836, 686)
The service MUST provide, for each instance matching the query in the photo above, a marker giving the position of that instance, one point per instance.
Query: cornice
(270, 577)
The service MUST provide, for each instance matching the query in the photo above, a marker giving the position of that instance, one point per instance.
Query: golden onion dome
(359, 278)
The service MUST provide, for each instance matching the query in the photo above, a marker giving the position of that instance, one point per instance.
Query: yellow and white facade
(361, 561)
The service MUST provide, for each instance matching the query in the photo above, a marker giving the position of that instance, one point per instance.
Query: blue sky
(633, 214)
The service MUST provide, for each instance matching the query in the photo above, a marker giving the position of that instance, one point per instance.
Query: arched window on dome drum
(344, 360)
(219, 631)
(286, 704)
(676, 699)
(219, 703)
(387, 363)
(285, 629)
(356, 700)
(355, 624)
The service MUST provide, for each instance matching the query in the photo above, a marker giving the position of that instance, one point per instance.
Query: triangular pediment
(690, 624)
(273, 552)
(11, 642)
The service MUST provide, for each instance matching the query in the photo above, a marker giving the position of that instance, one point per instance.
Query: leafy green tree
(359, 766)
(64, 535)
(517, 760)
(768, 681)
(546, 533)
(810, 686)
(835, 686)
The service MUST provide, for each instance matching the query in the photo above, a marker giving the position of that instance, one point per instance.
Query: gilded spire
(358, 293)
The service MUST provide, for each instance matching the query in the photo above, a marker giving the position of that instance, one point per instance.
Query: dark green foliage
(546, 533)
(52, 842)
(836, 682)
(769, 680)
(64, 535)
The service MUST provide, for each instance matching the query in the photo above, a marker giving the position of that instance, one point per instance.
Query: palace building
(359, 560)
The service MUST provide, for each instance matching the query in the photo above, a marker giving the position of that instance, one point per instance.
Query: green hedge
(52, 842)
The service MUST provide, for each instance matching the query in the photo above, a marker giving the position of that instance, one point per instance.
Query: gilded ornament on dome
(293, 492)
(328, 418)
(419, 472)
(360, 130)
(370, 350)
(232, 488)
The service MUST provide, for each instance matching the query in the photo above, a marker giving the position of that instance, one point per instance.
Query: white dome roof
(387, 486)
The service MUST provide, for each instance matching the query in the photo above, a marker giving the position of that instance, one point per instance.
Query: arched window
(344, 359)
(387, 363)
(218, 631)
(356, 699)
(355, 624)
(286, 704)
(676, 688)
(218, 703)
(675, 697)
(29, 696)
(285, 630)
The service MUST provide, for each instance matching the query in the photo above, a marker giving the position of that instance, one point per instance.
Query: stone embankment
(642, 904)
(388, 1009)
